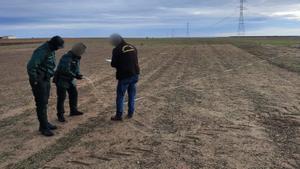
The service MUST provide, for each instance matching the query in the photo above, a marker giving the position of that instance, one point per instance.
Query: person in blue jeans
(125, 60)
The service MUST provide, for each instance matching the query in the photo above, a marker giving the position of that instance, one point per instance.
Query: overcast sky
(141, 18)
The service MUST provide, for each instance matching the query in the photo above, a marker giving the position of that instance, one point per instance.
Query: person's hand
(79, 77)
(34, 81)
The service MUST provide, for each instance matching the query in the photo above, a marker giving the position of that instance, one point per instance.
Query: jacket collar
(74, 56)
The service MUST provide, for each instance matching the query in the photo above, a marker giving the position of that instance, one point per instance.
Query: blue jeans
(128, 85)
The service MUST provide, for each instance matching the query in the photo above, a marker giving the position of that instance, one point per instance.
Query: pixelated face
(115, 40)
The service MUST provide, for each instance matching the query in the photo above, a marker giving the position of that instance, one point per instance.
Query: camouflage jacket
(67, 70)
(42, 63)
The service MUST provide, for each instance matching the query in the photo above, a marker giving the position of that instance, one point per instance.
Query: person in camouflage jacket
(40, 69)
(68, 71)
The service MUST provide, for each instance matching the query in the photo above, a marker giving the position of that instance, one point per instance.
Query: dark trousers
(41, 92)
(128, 85)
(61, 97)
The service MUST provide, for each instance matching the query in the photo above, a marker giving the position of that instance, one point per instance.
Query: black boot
(51, 126)
(46, 132)
(76, 113)
(61, 118)
(116, 118)
(129, 116)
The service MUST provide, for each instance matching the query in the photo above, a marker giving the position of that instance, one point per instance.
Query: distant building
(8, 37)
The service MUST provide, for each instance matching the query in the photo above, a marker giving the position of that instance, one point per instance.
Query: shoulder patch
(128, 48)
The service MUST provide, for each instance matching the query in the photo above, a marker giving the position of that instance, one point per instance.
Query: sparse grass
(279, 41)
(284, 59)
(253, 45)
(282, 41)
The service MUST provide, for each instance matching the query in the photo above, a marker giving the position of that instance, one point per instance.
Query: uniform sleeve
(64, 67)
(114, 59)
(36, 60)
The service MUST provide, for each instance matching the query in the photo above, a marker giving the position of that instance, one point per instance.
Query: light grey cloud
(139, 14)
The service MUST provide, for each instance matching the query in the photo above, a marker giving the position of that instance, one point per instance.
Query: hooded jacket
(125, 60)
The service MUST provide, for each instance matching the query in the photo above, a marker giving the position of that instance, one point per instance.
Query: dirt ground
(199, 106)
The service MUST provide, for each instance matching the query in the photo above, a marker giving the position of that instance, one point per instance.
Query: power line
(230, 16)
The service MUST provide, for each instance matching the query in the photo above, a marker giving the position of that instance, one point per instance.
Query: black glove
(79, 77)
(33, 80)
(35, 83)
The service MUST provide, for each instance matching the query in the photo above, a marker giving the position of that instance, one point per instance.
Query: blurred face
(82, 52)
(79, 49)
(115, 40)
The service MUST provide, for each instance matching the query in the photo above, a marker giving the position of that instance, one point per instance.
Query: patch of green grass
(267, 41)
(287, 61)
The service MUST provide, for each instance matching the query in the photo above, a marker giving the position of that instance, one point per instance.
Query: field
(202, 103)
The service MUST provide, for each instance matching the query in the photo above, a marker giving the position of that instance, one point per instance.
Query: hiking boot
(76, 113)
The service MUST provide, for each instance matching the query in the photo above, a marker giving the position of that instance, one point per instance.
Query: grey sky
(147, 18)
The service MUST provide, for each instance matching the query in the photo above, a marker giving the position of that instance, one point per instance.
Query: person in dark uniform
(67, 72)
(40, 69)
(125, 60)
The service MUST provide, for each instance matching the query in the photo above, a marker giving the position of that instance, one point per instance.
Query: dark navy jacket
(125, 60)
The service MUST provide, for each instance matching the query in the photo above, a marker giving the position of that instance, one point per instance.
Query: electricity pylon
(188, 29)
(241, 26)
